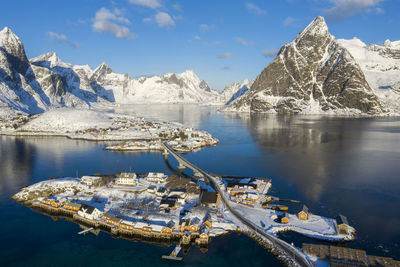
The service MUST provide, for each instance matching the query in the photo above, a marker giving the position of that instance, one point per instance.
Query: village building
(304, 214)
(209, 198)
(178, 192)
(69, 205)
(111, 219)
(152, 189)
(282, 218)
(156, 177)
(89, 212)
(184, 224)
(168, 203)
(126, 179)
(52, 202)
(342, 225)
(161, 191)
(127, 225)
(92, 180)
(195, 224)
(238, 184)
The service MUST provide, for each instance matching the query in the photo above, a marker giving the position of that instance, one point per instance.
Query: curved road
(280, 244)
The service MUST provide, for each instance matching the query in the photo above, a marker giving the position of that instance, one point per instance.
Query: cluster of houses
(15, 122)
(247, 191)
(187, 223)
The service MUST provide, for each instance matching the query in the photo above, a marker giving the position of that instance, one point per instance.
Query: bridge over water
(282, 246)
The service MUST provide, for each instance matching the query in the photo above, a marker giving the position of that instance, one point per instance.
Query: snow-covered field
(66, 120)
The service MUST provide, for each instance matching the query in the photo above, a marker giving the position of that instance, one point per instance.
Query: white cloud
(110, 22)
(207, 27)
(197, 37)
(255, 9)
(163, 19)
(244, 42)
(270, 52)
(348, 8)
(225, 55)
(147, 3)
(62, 38)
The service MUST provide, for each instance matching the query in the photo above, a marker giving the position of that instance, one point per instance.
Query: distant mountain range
(318, 74)
(314, 74)
(46, 81)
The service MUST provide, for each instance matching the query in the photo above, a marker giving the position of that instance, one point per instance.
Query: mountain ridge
(313, 74)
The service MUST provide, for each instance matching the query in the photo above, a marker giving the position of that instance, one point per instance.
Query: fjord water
(333, 165)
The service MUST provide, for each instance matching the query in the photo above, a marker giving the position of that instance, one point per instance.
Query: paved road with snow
(291, 251)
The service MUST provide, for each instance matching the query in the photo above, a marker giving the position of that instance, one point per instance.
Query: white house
(127, 179)
(156, 177)
(89, 212)
(92, 180)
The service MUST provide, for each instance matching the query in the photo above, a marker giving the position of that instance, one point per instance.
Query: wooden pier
(343, 257)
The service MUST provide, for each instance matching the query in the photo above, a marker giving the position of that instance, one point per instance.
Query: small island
(121, 132)
(154, 207)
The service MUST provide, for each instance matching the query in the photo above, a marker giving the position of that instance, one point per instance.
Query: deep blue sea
(333, 165)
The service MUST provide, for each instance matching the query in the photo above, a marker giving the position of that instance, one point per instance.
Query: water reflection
(190, 115)
(16, 163)
(337, 165)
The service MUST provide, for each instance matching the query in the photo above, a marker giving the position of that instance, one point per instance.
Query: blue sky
(222, 41)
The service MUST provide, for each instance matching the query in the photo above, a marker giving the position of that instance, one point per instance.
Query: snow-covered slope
(381, 66)
(234, 91)
(46, 81)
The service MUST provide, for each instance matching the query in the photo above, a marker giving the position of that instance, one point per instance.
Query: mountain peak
(5, 30)
(189, 74)
(317, 27)
(14, 49)
(103, 68)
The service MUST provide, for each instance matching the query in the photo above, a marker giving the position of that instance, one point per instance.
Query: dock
(343, 256)
(174, 254)
(85, 231)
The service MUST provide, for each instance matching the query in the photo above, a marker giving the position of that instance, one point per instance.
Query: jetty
(347, 257)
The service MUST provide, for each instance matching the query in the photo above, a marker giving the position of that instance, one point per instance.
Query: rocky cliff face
(46, 81)
(312, 74)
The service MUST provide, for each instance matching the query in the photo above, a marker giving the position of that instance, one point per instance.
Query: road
(291, 251)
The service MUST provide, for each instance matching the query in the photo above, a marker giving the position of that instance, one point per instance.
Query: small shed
(285, 218)
(304, 214)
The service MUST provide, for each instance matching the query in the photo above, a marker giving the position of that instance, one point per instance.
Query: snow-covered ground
(66, 120)
(107, 126)
(381, 66)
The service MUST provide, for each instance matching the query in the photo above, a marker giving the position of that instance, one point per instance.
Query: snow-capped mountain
(381, 66)
(234, 91)
(313, 74)
(46, 81)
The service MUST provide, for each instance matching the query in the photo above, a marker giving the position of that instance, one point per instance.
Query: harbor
(183, 210)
